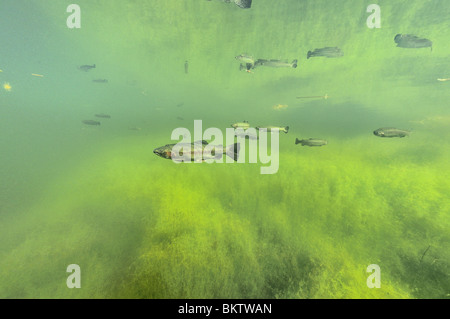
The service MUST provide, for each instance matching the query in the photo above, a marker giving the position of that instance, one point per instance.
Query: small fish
(196, 150)
(180, 118)
(314, 97)
(284, 129)
(180, 104)
(105, 116)
(134, 128)
(100, 81)
(90, 122)
(243, 125)
(412, 41)
(443, 80)
(244, 4)
(279, 106)
(186, 67)
(391, 132)
(276, 63)
(311, 142)
(38, 75)
(86, 67)
(329, 52)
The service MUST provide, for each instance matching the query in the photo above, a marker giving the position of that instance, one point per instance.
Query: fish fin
(233, 151)
(286, 129)
(294, 64)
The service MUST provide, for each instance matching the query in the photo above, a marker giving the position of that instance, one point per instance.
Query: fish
(180, 118)
(412, 41)
(276, 63)
(180, 104)
(134, 128)
(244, 4)
(100, 81)
(326, 96)
(196, 149)
(279, 106)
(284, 129)
(391, 132)
(246, 134)
(86, 67)
(186, 67)
(105, 116)
(311, 142)
(329, 52)
(90, 122)
(444, 80)
(243, 125)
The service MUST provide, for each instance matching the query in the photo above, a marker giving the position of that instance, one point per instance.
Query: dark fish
(105, 116)
(244, 4)
(329, 52)
(90, 122)
(196, 150)
(412, 41)
(186, 67)
(246, 134)
(276, 63)
(100, 81)
(180, 118)
(86, 68)
(180, 104)
(311, 142)
(391, 132)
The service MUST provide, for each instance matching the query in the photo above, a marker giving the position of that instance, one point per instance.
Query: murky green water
(140, 226)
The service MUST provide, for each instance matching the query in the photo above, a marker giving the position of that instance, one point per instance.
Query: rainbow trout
(196, 151)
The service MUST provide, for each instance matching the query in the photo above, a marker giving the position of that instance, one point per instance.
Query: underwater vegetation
(306, 237)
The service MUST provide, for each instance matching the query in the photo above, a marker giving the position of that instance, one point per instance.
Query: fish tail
(297, 141)
(233, 151)
(309, 54)
(286, 129)
(294, 64)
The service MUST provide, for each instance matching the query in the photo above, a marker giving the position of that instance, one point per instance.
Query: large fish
(311, 142)
(276, 63)
(244, 4)
(196, 151)
(329, 52)
(391, 132)
(412, 41)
